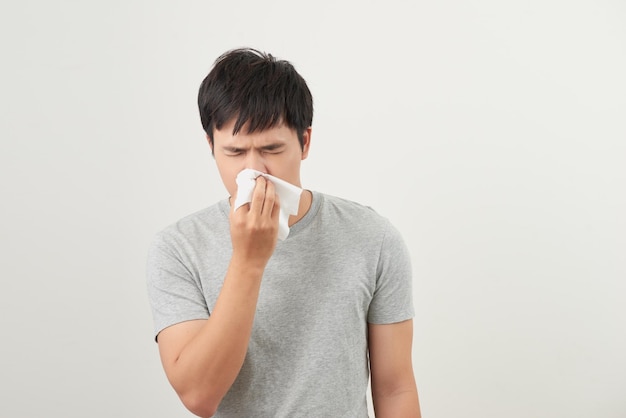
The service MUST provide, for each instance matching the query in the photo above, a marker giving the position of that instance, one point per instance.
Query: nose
(255, 161)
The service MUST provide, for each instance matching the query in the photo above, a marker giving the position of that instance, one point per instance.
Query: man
(249, 326)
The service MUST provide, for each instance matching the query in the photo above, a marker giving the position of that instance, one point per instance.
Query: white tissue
(288, 193)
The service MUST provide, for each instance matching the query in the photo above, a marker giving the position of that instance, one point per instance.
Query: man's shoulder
(350, 207)
(353, 214)
(196, 224)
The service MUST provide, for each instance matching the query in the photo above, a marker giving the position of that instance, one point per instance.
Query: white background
(492, 133)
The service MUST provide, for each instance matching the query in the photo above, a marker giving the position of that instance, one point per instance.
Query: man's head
(257, 113)
(256, 91)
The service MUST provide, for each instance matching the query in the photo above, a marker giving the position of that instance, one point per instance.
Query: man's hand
(202, 358)
(254, 226)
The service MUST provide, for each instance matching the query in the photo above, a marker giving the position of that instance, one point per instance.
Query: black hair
(257, 89)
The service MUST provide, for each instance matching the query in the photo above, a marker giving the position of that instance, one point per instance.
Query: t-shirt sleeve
(174, 292)
(393, 297)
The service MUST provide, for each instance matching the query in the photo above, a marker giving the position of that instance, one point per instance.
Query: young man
(250, 326)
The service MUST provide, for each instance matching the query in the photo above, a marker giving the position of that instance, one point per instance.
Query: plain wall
(491, 133)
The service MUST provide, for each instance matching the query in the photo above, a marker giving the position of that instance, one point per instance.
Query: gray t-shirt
(341, 266)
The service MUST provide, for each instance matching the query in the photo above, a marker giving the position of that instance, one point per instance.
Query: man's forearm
(209, 364)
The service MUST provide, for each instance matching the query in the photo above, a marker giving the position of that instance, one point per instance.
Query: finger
(276, 207)
(258, 195)
(270, 198)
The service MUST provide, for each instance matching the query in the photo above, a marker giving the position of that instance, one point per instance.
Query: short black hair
(257, 89)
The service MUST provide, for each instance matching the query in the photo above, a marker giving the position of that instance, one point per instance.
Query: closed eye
(273, 148)
(233, 151)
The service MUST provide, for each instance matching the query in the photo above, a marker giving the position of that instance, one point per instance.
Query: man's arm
(394, 392)
(202, 358)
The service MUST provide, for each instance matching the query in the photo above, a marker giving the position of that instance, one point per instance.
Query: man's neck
(306, 198)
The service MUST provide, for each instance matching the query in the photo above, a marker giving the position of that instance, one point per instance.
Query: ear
(306, 142)
(210, 144)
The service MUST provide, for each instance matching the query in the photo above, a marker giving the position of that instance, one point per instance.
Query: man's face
(274, 151)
